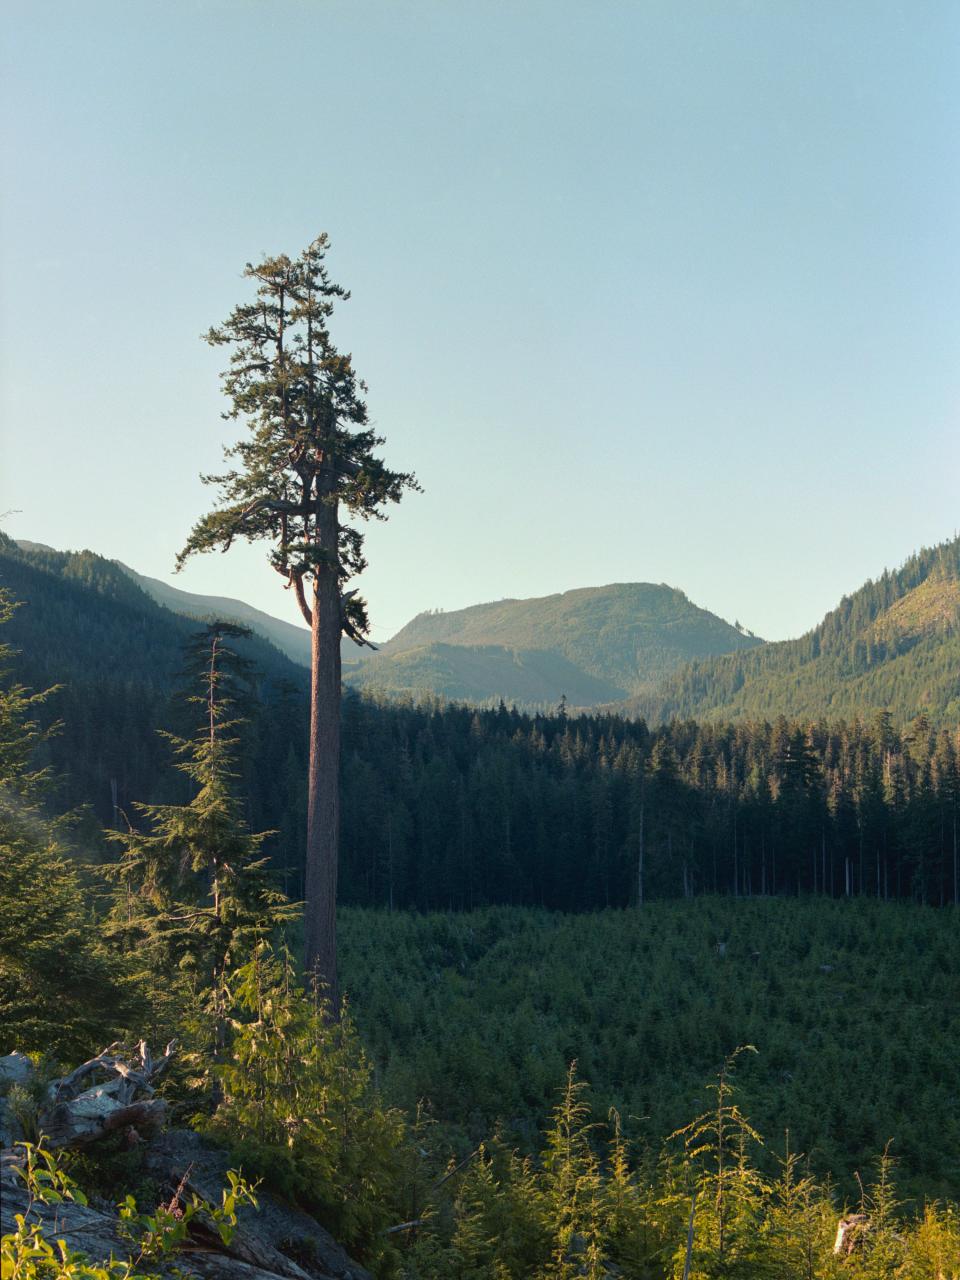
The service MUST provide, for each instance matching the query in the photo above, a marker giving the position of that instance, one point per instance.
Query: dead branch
(73, 1116)
(462, 1165)
(66, 1087)
(275, 506)
(406, 1226)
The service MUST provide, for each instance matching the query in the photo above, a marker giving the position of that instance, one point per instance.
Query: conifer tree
(307, 462)
(718, 1138)
(60, 989)
(193, 889)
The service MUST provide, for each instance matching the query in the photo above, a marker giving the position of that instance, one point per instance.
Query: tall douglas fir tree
(306, 462)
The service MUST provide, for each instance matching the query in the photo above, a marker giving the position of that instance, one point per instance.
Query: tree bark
(323, 790)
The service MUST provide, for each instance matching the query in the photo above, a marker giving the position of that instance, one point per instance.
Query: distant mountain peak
(592, 644)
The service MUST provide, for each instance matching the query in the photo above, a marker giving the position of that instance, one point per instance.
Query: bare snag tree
(304, 466)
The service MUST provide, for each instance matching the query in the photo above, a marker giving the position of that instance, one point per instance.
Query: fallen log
(95, 1115)
(130, 1078)
(75, 1117)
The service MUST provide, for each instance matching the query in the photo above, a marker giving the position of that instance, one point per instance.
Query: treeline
(456, 808)
(451, 807)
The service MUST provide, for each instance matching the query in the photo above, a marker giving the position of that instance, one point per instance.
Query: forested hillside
(481, 674)
(893, 645)
(445, 806)
(290, 639)
(118, 656)
(774, 839)
(594, 644)
(294, 641)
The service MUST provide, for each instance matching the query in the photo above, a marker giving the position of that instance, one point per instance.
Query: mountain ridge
(891, 645)
(628, 648)
(475, 673)
(620, 636)
(291, 639)
(590, 645)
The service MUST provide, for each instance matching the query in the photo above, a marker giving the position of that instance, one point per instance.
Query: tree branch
(272, 504)
(406, 1226)
(302, 600)
(347, 624)
(350, 630)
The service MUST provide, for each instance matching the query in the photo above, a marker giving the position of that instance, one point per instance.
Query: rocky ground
(275, 1239)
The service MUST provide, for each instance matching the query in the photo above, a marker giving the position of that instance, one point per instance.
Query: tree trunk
(640, 856)
(323, 788)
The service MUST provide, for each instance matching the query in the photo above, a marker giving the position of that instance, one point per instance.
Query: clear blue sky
(654, 291)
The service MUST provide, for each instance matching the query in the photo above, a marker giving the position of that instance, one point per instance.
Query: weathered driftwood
(854, 1232)
(74, 1116)
(94, 1117)
(130, 1077)
(75, 1112)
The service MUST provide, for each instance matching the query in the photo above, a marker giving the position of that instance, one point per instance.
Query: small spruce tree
(193, 891)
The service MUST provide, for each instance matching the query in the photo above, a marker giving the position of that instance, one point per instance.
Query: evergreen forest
(893, 645)
(624, 998)
(452, 807)
(422, 855)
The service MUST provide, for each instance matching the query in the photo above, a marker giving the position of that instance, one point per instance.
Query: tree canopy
(309, 447)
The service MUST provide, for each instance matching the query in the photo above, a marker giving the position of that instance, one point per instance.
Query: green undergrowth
(854, 1008)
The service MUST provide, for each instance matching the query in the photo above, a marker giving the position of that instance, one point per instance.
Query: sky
(661, 291)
